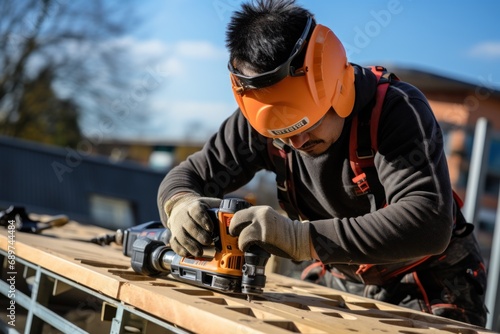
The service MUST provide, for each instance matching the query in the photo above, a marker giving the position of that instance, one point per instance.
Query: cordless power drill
(229, 271)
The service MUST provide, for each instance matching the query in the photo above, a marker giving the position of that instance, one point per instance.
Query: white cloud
(152, 54)
(173, 59)
(172, 66)
(198, 109)
(192, 111)
(196, 120)
(182, 49)
(175, 104)
(200, 50)
(489, 50)
(149, 48)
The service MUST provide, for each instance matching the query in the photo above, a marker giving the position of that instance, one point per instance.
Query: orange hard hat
(285, 101)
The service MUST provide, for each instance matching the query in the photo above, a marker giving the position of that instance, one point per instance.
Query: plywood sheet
(287, 305)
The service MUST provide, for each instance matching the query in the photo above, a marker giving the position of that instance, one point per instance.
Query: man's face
(319, 137)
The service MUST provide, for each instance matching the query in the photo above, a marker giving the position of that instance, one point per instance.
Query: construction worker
(395, 233)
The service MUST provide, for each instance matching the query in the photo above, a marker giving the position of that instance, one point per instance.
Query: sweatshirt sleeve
(411, 165)
(229, 160)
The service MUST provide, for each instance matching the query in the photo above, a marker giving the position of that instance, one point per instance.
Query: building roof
(432, 82)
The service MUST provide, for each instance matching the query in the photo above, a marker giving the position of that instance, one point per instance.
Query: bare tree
(68, 47)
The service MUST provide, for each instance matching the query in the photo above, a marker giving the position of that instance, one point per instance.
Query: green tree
(44, 117)
(58, 62)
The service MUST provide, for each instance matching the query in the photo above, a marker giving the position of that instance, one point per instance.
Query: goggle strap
(279, 73)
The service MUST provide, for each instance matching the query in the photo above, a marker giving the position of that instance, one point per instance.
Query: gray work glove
(189, 222)
(275, 233)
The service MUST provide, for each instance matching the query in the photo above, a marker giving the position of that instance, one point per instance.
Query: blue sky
(182, 44)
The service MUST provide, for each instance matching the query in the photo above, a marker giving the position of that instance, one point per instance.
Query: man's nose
(299, 140)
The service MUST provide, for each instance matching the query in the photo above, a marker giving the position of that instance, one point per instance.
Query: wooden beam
(287, 305)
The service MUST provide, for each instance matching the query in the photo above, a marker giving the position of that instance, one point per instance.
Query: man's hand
(189, 222)
(277, 234)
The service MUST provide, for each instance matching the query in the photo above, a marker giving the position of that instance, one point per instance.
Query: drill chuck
(254, 278)
(151, 257)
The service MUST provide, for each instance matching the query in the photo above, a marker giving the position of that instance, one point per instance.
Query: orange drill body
(229, 270)
(228, 258)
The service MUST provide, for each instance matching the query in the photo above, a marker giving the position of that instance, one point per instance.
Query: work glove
(275, 233)
(189, 223)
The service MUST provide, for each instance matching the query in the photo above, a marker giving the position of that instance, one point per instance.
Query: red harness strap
(363, 140)
(363, 144)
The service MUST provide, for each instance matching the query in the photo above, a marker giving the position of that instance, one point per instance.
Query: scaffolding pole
(477, 170)
(493, 290)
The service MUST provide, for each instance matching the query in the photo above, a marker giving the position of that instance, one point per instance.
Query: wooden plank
(288, 305)
(60, 251)
(294, 307)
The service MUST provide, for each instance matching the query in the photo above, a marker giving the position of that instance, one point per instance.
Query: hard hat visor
(287, 101)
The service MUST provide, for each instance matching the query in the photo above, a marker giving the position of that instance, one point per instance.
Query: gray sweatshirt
(346, 228)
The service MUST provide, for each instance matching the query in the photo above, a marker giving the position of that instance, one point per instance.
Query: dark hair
(263, 32)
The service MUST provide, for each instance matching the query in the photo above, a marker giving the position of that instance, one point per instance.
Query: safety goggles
(269, 78)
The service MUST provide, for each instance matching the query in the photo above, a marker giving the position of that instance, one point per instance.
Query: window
(492, 178)
(111, 212)
(494, 156)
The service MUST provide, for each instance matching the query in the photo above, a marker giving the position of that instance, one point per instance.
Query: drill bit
(104, 239)
(107, 239)
(249, 298)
